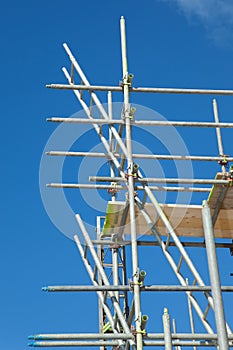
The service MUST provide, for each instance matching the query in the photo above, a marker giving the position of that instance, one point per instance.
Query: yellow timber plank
(186, 220)
(227, 202)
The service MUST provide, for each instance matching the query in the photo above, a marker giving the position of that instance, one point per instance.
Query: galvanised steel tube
(214, 277)
(160, 180)
(148, 336)
(138, 156)
(85, 186)
(119, 187)
(178, 343)
(141, 89)
(167, 330)
(140, 123)
(219, 137)
(191, 319)
(218, 133)
(84, 87)
(80, 336)
(154, 243)
(155, 288)
(72, 343)
(115, 270)
(133, 232)
(83, 121)
(114, 343)
(111, 141)
(186, 336)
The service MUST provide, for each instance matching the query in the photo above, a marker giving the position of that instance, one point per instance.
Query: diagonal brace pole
(173, 264)
(103, 275)
(94, 97)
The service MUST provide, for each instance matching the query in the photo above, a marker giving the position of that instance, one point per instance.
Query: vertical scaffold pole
(190, 314)
(214, 277)
(111, 140)
(131, 186)
(115, 272)
(167, 330)
(100, 253)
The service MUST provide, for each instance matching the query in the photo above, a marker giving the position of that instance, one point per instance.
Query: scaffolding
(122, 323)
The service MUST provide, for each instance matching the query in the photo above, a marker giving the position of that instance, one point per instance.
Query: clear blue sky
(170, 44)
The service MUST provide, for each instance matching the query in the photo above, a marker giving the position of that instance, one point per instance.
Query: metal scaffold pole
(214, 278)
(143, 89)
(167, 330)
(142, 122)
(126, 116)
(219, 136)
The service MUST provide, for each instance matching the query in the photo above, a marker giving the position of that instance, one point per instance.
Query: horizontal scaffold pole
(119, 187)
(176, 343)
(80, 336)
(148, 336)
(140, 122)
(179, 344)
(159, 180)
(141, 89)
(73, 343)
(155, 288)
(108, 242)
(139, 156)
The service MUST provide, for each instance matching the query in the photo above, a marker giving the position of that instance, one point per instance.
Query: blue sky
(170, 44)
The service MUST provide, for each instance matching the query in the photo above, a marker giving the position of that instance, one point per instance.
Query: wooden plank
(186, 220)
(227, 202)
